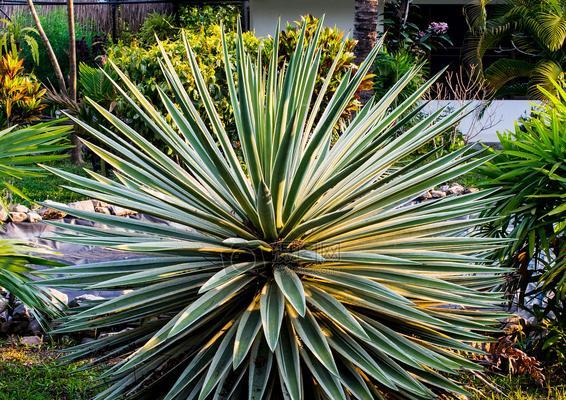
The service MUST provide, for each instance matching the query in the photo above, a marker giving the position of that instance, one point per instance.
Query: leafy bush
(162, 25)
(140, 64)
(14, 36)
(531, 31)
(391, 66)
(306, 272)
(55, 24)
(337, 51)
(531, 175)
(201, 17)
(21, 95)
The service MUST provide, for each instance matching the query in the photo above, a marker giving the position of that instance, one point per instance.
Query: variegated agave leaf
(302, 272)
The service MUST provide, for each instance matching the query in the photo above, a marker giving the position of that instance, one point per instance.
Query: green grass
(34, 374)
(516, 388)
(48, 186)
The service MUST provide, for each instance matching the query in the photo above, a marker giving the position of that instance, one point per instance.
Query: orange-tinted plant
(21, 94)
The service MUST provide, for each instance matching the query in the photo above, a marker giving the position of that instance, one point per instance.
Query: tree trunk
(72, 51)
(365, 32)
(50, 52)
(77, 151)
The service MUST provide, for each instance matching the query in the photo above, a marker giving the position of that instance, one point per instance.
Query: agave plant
(303, 271)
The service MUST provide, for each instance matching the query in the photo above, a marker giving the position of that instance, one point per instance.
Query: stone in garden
(426, 196)
(31, 341)
(87, 340)
(19, 208)
(3, 304)
(3, 214)
(471, 190)
(98, 203)
(84, 298)
(456, 189)
(16, 216)
(437, 194)
(35, 327)
(62, 297)
(22, 312)
(6, 327)
(102, 210)
(84, 205)
(444, 188)
(50, 213)
(34, 217)
(120, 211)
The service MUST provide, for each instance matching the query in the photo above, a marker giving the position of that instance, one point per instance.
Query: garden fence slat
(113, 16)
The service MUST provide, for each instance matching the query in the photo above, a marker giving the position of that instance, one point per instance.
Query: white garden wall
(264, 13)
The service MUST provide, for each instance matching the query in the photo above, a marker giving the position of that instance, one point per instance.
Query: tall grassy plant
(531, 174)
(304, 271)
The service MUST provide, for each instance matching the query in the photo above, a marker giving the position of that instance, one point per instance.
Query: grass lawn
(33, 374)
(48, 186)
(29, 373)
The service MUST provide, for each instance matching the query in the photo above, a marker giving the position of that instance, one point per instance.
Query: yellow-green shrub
(21, 94)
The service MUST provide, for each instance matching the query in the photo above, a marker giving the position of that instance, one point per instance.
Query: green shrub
(140, 63)
(391, 66)
(56, 28)
(162, 25)
(530, 173)
(201, 17)
(305, 272)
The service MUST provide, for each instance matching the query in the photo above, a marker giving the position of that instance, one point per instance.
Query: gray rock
(84, 205)
(120, 211)
(4, 214)
(437, 194)
(6, 327)
(84, 298)
(3, 304)
(87, 340)
(35, 327)
(34, 217)
(34, 341)
(17, 216)
(22, 312)
(62, 297)
(98, 203)
(456, 189)
(51, 213)
(444, 188)
(19, 208)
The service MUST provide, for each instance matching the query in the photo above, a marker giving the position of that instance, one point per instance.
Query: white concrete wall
(264, 13)
(483, 124)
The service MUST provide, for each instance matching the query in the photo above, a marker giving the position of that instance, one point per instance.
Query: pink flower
(438, 28)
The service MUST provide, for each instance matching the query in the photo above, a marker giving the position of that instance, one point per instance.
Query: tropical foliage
(303, 272)
(21, 95)
(332, 42)
(532, 33)
(20, 150)
(14, 35)
(531, 175)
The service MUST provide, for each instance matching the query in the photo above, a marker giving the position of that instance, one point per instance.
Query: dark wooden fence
(111, 16)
